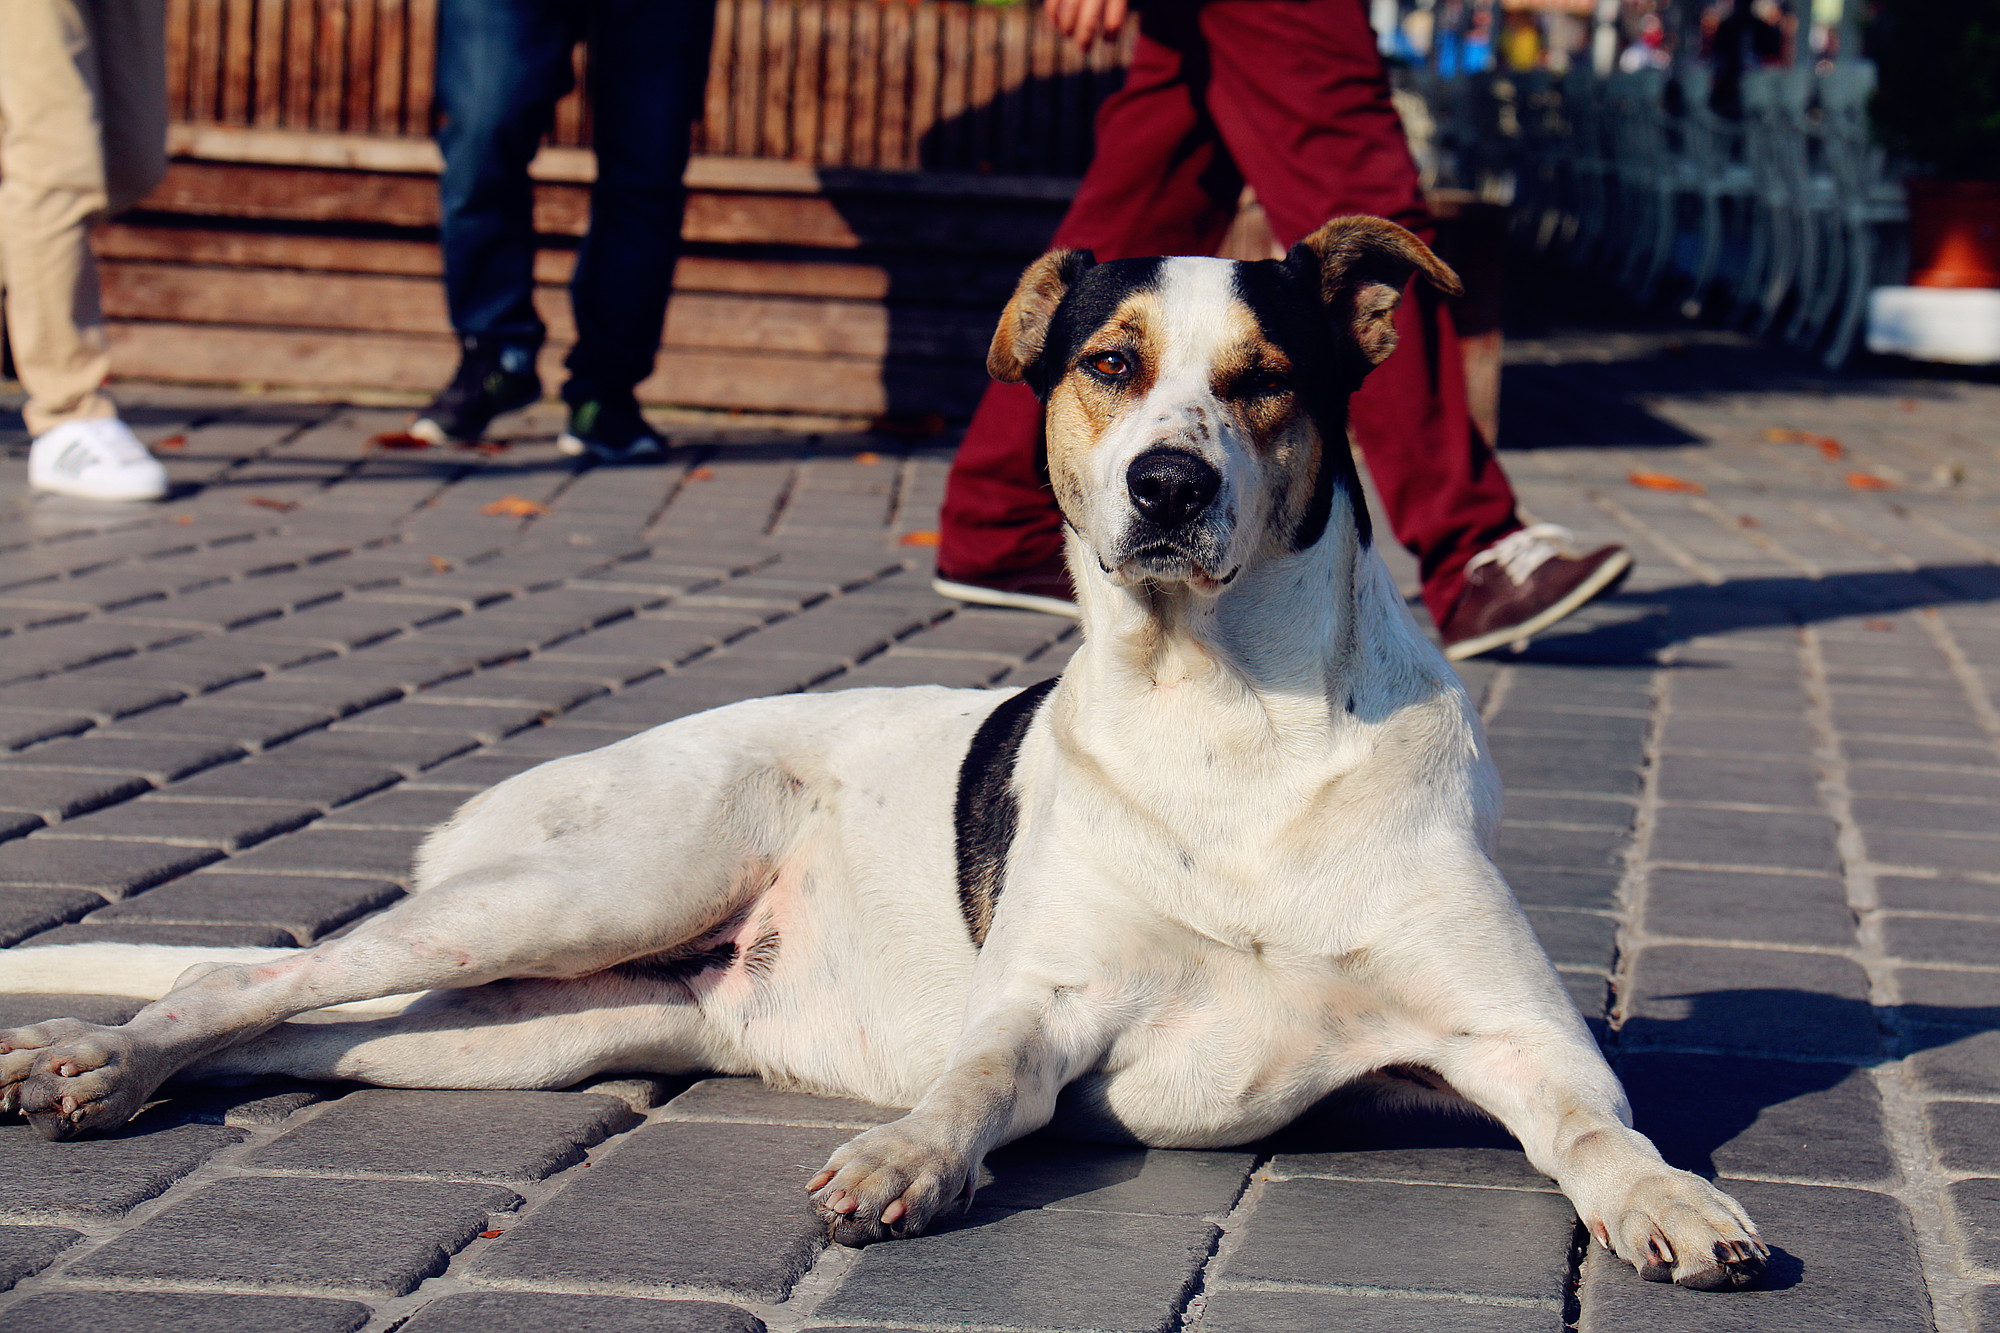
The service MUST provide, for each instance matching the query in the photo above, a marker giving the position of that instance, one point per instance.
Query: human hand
(1083, 21)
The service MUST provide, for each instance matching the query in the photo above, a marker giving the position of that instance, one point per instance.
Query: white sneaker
(97, 459)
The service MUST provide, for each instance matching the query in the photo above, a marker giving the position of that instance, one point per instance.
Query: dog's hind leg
(519, 917)
(505, 1034)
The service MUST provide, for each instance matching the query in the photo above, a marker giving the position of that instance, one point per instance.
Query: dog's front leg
(1015, 1055)
(1556, 1094)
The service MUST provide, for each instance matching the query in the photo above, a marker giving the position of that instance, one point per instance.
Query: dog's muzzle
(1171, 488)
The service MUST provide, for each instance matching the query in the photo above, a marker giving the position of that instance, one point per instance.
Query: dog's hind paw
(1676, 1227)
(890, 1181)
(70, 1078)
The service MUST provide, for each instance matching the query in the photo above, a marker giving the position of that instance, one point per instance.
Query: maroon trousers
(1292, 96)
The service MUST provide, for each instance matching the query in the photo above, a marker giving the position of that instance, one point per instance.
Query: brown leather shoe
(1044, 588)
(1524, 583)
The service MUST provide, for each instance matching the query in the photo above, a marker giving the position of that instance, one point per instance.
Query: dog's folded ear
(1361, 265)
(1024, 325)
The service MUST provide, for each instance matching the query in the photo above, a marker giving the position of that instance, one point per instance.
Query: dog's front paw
(890, 1181)
(70, 1078)
(1676, 1227)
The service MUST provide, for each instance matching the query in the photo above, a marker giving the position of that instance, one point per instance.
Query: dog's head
(1196, 409)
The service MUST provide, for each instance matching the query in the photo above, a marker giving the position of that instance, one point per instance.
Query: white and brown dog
(1235, 859)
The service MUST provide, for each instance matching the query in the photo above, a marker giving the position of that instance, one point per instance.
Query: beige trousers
(83, 122)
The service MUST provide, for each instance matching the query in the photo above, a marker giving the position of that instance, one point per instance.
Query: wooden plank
(198, 354)
(360, 70)
(268, 64)
(865, 92)
(420, 86)
(775, 105)
(808, 69)
(712, 134)
(835, 78)
(391, 54)
(180, 16)
(330, 66)
(980, 285)
(955, 83)
(301, 31)
(570, 126)
(204, 62)
(924, 72)
(295, 194)
(745, 111)
(238, 55)
(1012, 151)
(894, 150)
(982, 142)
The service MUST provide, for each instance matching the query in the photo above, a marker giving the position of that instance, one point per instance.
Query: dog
(1236, 858)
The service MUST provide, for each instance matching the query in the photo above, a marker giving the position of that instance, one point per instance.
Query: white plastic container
(1956, 324)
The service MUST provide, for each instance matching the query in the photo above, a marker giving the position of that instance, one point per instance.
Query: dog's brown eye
(1111, 365)
(1267, 381)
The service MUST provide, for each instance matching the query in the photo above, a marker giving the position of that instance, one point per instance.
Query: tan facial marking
(1083, 407)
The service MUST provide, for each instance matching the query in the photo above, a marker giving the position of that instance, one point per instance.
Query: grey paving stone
(482, 722)
(1507, 1167)
(313, 688)
(1746, 838)
(1530, 761)
(1546, 886)
(1942, 940)
(1432, 1238)
(487, 1311)
(1031, 1269)
(1946, 1061)
(18, 824)
(113, 869)
(358, 1237)
(1966, 1135)
(476, 772)
(1975, 1209)
(1983, 1306)
(1579, 849)
(145, 932)
(1945, 998)
(409, 752)
(1923, 780)
(1750, 1000)
(504, 1136)
(1911, 750)
(1574, 939)
(1843, 1259)
(1044, 1172)
(1944, 894)
(26, 726)
(364, 853)
(157, 760)
(58, 794)
(168, 818)
(1941, 851)
(1709, 731)
(752, 1101)
(275, 778)
(1533, 807)
(256, 1105)
(184, 1312)
(1750, 780)
(100, 698)
(305, 906)
(96, 1180)
(401, 808)
(1235, 1311)
(25, 1251)
(1912, 814)
(1795, 1119)
(26, 911)
(18, 1010)
(500, 688)
(1724, 905)
(252, 728)
(755, 1235)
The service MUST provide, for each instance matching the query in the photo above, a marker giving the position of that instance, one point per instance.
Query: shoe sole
(1604, 580)
(1015, 601)
(575, 446)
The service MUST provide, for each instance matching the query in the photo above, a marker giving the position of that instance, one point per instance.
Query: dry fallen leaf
(1880, 626)
(1829, 448)
(702, 474)
(1826, 444)
(514, 506)
(1746, 521)
(925, 538)
(489, 1235)
(1665, 481)
(183, 519)
(867, 459)
(1868, 481)
(172, 444)
(1907, 404)
(440, 564)
(399, 439)
(1783, 435)
(488, 447)
(266, 502)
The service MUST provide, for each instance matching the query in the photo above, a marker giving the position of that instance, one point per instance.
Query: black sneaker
(490, 380)
(610, 429)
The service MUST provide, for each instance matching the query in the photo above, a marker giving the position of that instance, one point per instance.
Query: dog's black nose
(1171, 486)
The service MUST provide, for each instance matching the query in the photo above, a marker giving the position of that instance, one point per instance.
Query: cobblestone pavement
(1751, 811)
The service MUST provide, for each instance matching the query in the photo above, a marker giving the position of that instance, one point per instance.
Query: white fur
(1251, 867)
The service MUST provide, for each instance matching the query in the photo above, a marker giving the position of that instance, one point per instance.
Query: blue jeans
(501, 67)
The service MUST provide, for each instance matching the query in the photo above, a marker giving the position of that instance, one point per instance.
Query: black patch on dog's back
(679, 967)
(1292, 316)
(987, 810)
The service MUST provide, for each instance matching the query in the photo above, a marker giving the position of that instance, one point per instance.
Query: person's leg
(52, 184)
(501, 66)
(82, 130)
(1300, 96)
(1159, 183)
(648, 62)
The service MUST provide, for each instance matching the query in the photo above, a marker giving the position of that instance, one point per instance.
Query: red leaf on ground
(399, 439)
(925, 538)
(440, 564)
(172, 444)
(514, 506)
(1665, 481)
(266, 502)
(702, 474)
(1868, 481)
(1829, 448)
(489, 1235)
(867, 459)
(1880, 626)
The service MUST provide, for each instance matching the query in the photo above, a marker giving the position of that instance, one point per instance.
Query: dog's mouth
(1170, 562)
